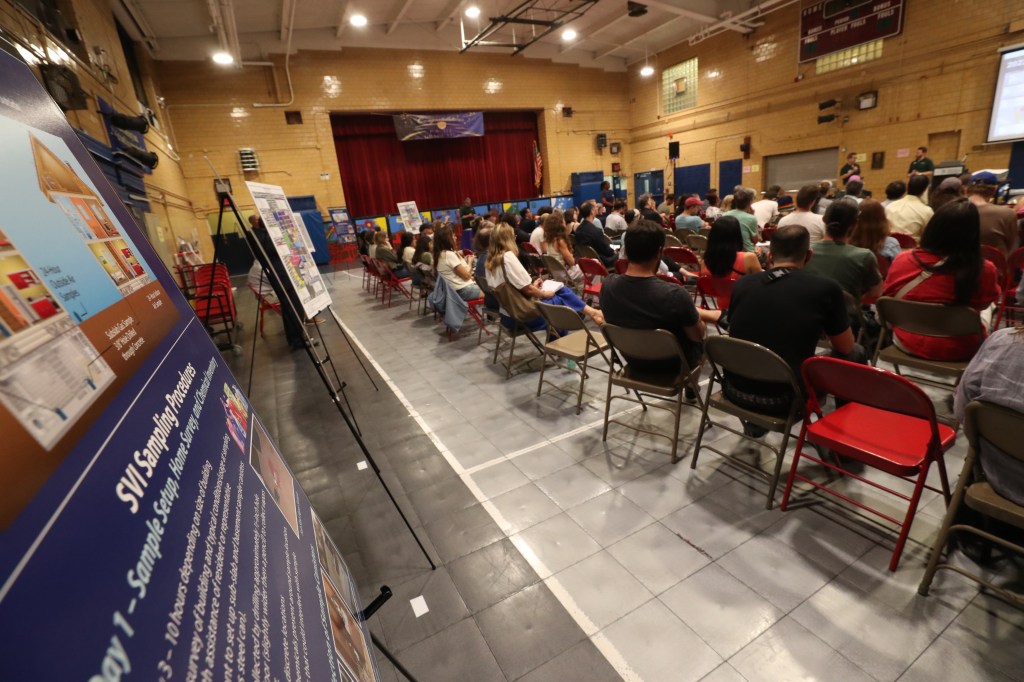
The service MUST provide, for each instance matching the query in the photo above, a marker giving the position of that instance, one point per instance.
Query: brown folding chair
(757, 363)
(579, 345)
(518, 329)
(648, 345)
(489, 314)
(555, 268)
(697, 243)
(672, 240)
(587, 252)
(1003, 429)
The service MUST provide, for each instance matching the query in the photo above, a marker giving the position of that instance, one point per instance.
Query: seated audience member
(804, 216)
(786, 310)
(512, 220)
(910, 214)
(632, 217)
(948, 190)
(741, 211)
(383, 252)
(724, 258)
(767, 208)
(668, 206)
(998, 223)
(853, 268)
(589, 234)
(527, 221)
(421, 255)
(824, 197)
(713, 210)
(872, 231)
(647, 209)
(726, 204)
(688, 218)
(571, 219)
(616, 221)
(639, 300)
(786, 206)
(894, 191)
(408, 249)
(853, 190)
(481, 243)
(947, 269)
(450, 265)
(502, 265)
(556, 244)
(995, 375)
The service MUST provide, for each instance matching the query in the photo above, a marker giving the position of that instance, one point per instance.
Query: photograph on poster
(236, 412)
(331, 561)
(349, 641)
(267, 461)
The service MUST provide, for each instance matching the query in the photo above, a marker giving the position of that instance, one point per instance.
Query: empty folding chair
(594, 274)
(673, 241)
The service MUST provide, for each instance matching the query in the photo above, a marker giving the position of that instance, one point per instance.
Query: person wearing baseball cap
(998, 223)
(689, 218)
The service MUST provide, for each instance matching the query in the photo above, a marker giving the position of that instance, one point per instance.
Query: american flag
(538, 165)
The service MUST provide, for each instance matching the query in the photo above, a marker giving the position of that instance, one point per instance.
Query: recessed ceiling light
(358, 20)
(647, 70)
(223, 58)
(472, 11)
(568, 35)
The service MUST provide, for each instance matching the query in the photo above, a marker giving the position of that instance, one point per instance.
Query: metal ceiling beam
(556, 17)
(398, 17)
(641, 35)
(698, 16)
(449, 14)
(342, 19)
(285, 13)
(593, 31)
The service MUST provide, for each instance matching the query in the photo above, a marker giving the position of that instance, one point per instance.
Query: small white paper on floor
(419, 606)
(362, 465)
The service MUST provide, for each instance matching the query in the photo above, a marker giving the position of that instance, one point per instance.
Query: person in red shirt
(948, 268)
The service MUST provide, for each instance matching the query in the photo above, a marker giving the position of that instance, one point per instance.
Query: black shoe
(753, 430)
(689, 394)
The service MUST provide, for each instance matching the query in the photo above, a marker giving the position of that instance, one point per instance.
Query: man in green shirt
(850, 168)
(921, 165)
(466, 213)
(741, 211)
(853, 268)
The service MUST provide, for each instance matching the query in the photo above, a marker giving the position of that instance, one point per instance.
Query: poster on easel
(344, 230)
(290, 239)
(410, 216)
(149, 526)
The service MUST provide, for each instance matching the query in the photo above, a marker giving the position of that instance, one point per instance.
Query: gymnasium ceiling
(607, 37)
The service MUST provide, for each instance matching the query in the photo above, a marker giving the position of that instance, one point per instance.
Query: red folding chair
(718, 288)
(527, 247)
(391, 283)
(1008, 307)
(883, 264)
(592, 270)
(621, 265)
(265, 302)
(767, 234)
(905, 240)
(889, 424)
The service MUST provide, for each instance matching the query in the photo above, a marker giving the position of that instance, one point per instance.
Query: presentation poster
(344, 230)
(293, 245)
(410, 216)
(150, 528)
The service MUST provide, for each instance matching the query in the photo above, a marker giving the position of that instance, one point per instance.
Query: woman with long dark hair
(947, 268)
(724, 256)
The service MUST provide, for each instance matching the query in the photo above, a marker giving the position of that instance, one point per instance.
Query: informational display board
(829, 26)
(344, 230)
(1007, 121)
(292, 243)
(149, 527)
(410, 216)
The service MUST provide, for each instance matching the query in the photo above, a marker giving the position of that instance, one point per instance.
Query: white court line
(603, 644)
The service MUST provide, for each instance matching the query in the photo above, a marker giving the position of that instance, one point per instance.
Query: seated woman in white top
(408, 249)
(452, 266)
(503, 262)
(557, 244)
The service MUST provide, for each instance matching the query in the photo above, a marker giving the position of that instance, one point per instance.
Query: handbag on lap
(519, 307)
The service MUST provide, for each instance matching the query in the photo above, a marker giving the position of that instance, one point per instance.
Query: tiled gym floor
(563, 558)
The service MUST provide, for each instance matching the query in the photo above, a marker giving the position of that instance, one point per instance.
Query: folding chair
(375, 276)
(697, 243)
(426, 285)
(390, 283)
(527, 247)
(686, 258)
(518, 329)
(621, 265)
(535, 264)
(767, 233)
(887, 423)
(489, 314)
(579, 345)
(586, 252)
(928, 319)
(757, 363)
(555, 268)
(592, 270)
(648, 345)
(1008, 308)
(718, 288)
(265, 302)
(905, 240)
(672, 241)
(1003, 429)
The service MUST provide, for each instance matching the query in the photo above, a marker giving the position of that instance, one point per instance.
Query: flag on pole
(538, 165)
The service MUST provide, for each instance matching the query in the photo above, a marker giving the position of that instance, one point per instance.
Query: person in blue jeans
(502, 265)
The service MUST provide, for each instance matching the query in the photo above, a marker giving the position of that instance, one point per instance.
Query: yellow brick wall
(937, 76)
(213, 114)
(172, 216)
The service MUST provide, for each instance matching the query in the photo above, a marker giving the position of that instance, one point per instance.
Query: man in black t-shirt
(589, 234)
(786, 310)
(527, 222)
(639, 300)
(467, 214)
(850, 168)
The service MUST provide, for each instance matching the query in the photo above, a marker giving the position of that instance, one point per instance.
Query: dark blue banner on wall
(433, 126)
(149, 527)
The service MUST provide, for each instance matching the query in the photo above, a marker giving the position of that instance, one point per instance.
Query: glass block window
(848, 57)
(679, 87)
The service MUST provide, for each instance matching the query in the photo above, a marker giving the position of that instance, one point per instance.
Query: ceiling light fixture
(358, 20)
(472, 11)
(224, 58)
(647, 70)
(568, 35)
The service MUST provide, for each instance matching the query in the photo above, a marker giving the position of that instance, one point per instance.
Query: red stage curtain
(378, 170)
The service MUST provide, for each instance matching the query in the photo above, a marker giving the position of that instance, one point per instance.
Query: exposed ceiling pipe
(287, 66)
(729, 23)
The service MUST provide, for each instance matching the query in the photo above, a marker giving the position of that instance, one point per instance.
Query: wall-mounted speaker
(673, 150)
(745, 147)
(602, 140)
(567, 112)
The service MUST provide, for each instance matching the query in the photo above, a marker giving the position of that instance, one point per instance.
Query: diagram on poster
(287, 234)
(410, 216)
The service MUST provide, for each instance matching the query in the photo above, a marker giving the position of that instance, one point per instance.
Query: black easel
(319, 363)
(213, 271)
(385, 594)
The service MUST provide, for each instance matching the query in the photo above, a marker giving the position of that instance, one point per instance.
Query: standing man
(921, 165)
(467, 214)
(998, 223)
(742, 199)
(607, 196)
(850, 168)
(689, 219)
